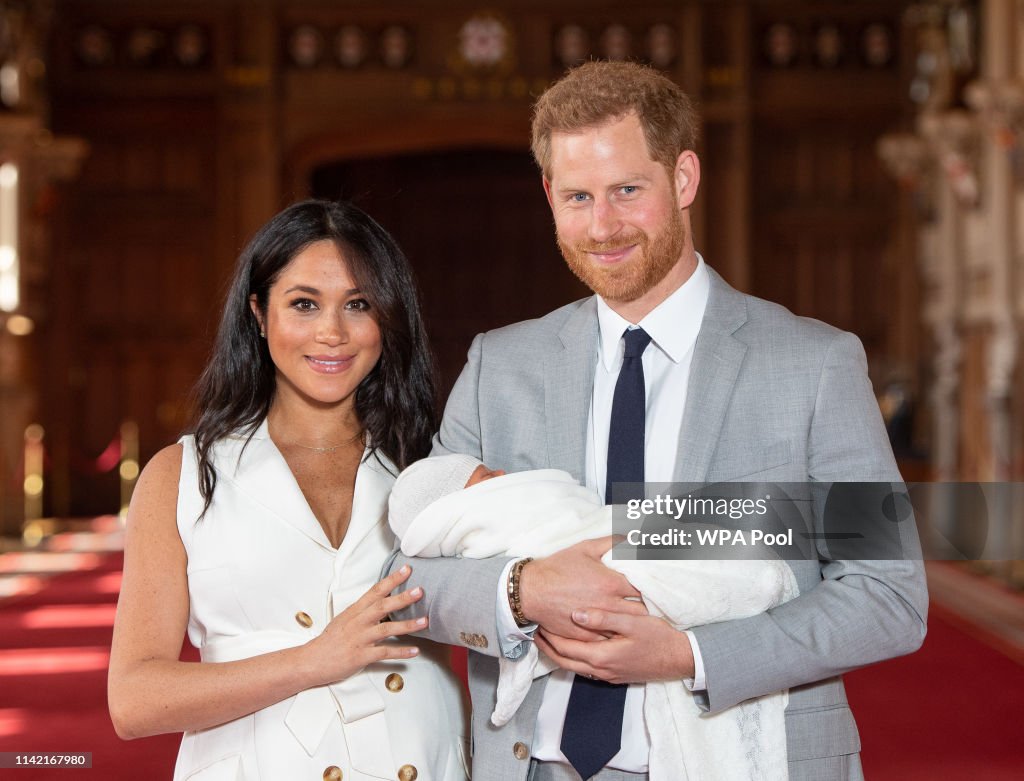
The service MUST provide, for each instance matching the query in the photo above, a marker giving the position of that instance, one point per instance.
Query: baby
(456, 506)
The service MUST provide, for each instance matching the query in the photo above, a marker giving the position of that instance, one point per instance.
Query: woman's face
(322, 335)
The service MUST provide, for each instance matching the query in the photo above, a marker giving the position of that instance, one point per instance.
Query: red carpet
(952, 711)
(54, 649)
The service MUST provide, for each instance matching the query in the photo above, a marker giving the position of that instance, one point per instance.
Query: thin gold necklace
(328, 449)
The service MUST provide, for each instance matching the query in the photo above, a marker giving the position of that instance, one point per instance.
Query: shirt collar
(673, 324)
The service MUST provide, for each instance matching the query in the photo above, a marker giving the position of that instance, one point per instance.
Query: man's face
(617, 214)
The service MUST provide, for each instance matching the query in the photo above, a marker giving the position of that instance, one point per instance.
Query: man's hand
(637, 648)
(551, 588)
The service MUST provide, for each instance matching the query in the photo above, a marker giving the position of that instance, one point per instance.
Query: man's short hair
(600, 92)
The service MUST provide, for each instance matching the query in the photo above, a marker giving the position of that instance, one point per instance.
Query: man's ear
(547, 190)
(687, 178)
(255, 307)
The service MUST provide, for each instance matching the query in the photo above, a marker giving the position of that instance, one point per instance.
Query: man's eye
(578, 197)
(629, 189)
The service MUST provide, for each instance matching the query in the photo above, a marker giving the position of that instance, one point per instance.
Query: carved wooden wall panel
(824, 211)
(137, 274)
(823, 218)
(206, 117)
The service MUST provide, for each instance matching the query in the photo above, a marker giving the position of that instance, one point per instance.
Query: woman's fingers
(376, 605)
(386, 585)
(379, 609)
(383, 652)
(381, 591)
(383, 587)
(400, 601)
(387, 629)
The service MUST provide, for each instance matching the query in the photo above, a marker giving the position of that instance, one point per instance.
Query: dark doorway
(478, 231)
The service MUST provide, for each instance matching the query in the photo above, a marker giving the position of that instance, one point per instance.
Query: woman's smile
(326, 364)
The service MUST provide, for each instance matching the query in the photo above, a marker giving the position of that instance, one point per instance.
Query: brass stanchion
(129, 467)
(34, 529)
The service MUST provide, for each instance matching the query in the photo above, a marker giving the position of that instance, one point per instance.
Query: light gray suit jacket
(772, 397)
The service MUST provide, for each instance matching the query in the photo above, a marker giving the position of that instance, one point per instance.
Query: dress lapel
(263, 476)
(568, 389)
(717, 358)
(374, 478)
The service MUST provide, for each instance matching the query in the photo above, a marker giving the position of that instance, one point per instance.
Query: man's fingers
(626, 592)
(566, 663)
(575, 632)
(570, 648)
(598, 547)
(628, 607)
(605, 621)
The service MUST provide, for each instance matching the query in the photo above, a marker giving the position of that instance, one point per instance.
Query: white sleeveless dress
(262, 576)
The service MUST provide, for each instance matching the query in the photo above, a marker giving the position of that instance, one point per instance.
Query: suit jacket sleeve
(458, 594)
(862, 611)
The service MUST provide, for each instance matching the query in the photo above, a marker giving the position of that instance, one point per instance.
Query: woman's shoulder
(165, 464)
(156, 492)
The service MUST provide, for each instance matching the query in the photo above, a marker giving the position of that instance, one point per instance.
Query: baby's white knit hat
(424, 483)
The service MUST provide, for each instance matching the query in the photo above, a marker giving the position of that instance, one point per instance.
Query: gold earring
(263, 334)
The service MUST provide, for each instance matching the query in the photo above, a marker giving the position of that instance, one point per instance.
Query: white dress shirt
(673, 327)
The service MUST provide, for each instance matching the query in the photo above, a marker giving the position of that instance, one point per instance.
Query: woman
(265, 530)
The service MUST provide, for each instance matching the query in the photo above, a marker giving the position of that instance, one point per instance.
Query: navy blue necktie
(592, 733)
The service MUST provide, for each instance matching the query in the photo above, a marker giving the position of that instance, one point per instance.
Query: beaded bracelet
(514, 599)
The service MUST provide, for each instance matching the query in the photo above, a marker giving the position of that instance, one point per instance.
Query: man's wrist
(512, 639)
(527, 589)
(514, 592)
(694, 677)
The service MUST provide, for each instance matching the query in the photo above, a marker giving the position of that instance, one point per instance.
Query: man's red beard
(631, 278)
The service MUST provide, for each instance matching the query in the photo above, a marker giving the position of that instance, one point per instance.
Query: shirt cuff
(511, 636)
(698, 682)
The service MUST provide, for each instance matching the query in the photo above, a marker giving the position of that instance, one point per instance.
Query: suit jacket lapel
(568, 390)
(717, 358)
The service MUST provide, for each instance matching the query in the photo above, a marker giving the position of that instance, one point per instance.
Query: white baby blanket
(539, 512)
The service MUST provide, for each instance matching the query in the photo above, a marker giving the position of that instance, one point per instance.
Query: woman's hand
(355, 638)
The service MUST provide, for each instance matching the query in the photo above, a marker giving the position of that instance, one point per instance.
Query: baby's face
(482, 473)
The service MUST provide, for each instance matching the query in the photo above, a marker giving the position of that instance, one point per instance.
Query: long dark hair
(395, 402)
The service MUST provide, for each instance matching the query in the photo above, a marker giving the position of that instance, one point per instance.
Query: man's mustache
(619, 242)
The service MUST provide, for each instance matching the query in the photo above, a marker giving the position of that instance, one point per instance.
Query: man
(714, 385)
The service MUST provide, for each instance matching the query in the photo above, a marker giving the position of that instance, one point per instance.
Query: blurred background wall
(862, 163)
